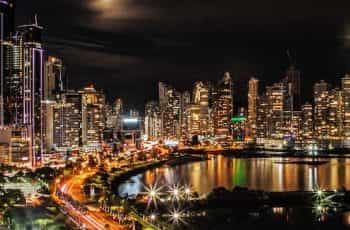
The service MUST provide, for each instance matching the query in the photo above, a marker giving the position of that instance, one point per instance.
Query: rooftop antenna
(36, 19)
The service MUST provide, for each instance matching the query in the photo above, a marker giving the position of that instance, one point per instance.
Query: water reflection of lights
(346, 218)
(278, 210)
(261, 174)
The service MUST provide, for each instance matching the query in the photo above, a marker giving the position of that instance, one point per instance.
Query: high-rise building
(275, 96)
(118, 111)
(20, 149)
(223, 106)
(67, 121)
(252, 106)
(201, 97)
(239, 125)
(111, 118)
(321, 101)
(170, 107)
(33, 85)
(93, 120)
(6, 30)
(47, 124)
(5, 141)
(262, 116)
(185, 102)
(153, 122)
(307, 122)
(292, 81)
(345, 82)
(193, 113)
(13, 80)
(335, 113)
(54, 78)
(7, 18)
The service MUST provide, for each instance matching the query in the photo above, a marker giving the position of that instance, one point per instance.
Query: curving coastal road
(92, 219)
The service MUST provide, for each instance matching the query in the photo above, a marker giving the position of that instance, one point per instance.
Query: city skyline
(125, 114)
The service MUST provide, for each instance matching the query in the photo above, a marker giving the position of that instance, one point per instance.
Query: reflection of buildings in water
(150, 177)
(239, 173)
(196, 177)
(347, 173)
(254, 173)
(313, 182)
(212, 164)
(346, 219)
(334, 177)
(280, 176)
(291, 178)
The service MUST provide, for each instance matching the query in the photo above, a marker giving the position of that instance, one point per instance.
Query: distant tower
(345, 82)
(33, 85)
(6, 30)
(223, 106)
(275, 96)
(307, 122)
(67, 121)
(7, 13)
(185, 102)
(293, 85)
(170, 107)
(321, 101)
(152, 121)
(201, 98)
(93, 103)
(23, 92)
(252, 105)
(54, 78)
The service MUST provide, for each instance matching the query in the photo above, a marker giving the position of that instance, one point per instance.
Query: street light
(153, 217)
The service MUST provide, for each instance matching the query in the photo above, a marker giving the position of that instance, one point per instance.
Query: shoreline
(124, 176)
(197, 155)
(254, 153)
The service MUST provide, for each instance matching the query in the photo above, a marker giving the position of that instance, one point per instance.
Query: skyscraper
(345, 82)
(170, 107)
(54, 78)
(335, 113)
(33, 85)
(307, 122)
(223, 106)
(13, 79)
(262, 115)
(7, 15)
(252, 106)
(292, 81)
(118, 111)
(200, 97)
(275, 96)
(6, 30)
(153, 121)
(193, 113)
(93, 121)
(185, 102)
(321, 101)
(67, 121)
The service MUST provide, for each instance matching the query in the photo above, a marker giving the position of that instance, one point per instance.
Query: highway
(90, 220)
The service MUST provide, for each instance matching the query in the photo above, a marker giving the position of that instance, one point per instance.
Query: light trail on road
(91, 220)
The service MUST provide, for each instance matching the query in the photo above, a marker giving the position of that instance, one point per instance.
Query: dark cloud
(126, 46)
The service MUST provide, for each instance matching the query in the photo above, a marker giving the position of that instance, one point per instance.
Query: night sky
(126, 46)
